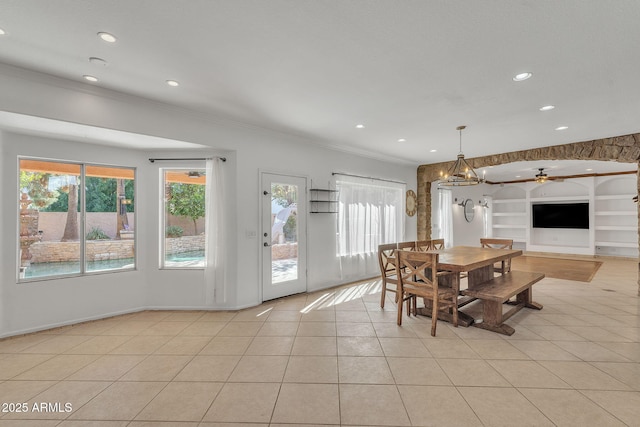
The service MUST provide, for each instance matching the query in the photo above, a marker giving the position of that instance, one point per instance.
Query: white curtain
(215, 288)
(445, 221)
(487, 217)
(370, 212)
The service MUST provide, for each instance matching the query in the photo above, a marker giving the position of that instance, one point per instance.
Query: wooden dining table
(477, 262)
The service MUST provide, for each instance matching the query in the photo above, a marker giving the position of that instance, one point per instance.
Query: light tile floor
(335, 358)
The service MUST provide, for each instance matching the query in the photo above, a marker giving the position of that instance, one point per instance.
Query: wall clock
(411, 203)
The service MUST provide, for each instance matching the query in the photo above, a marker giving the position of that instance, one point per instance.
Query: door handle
(266, 244)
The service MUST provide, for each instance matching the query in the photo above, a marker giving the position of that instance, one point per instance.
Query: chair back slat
(503, 266)
(437, 244)
(496, 243)
(428, 245)
(406, 246)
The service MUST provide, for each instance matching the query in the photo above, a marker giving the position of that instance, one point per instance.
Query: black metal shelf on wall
(323, 200)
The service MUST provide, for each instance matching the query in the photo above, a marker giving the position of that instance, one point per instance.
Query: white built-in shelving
(510, 216)
(616, 217)
(613, 215)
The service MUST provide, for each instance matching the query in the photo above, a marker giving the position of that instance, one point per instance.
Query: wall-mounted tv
(560, 215)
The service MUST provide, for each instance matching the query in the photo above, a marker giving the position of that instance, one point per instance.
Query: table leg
(464, 319)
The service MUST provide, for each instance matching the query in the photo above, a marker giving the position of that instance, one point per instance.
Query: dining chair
(427, 245)
(503, 266)
(437, 244)
(422, 245)
(386, 260)
(418, 276)
(406, 246)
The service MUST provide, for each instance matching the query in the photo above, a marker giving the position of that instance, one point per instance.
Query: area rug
(558, 268)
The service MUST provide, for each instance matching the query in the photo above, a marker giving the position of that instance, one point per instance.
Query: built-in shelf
(616, 197)
(613, 215)
(499, 201)
(616, 213)
(618, 244)
(616, 223)
(510, 214)
(617, 227)
(559, 199)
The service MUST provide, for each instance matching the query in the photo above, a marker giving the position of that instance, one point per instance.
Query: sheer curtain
(215, 289)
(445, 199)
(487, 217)
(370, 212)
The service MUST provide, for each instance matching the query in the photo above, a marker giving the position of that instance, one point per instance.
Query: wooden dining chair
(422, 245)
(427, 245)
(418, 277)
(437, 244)
(386, 254)
(503, 266)
(406, 246)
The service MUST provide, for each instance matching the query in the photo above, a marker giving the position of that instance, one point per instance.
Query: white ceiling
(409, 69)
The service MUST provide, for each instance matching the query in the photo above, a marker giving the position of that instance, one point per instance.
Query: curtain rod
(368, 177)
(224, 159)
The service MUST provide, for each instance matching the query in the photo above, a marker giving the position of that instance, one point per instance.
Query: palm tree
(71, 227)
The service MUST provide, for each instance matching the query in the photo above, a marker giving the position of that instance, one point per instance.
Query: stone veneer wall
(625, 148)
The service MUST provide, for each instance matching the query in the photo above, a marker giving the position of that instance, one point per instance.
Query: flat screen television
(560, 215)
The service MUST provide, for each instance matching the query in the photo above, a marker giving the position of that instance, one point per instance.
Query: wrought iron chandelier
(461, 173)
(541, 177)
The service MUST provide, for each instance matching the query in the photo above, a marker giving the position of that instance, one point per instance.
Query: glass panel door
(283, 235)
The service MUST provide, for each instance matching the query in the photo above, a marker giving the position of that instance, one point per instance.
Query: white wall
(464, 233)
(249, 150)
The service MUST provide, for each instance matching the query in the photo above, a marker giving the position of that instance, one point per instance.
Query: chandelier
(541, 177)
(461, 173)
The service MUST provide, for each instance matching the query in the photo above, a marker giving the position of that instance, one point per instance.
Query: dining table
(477, 263)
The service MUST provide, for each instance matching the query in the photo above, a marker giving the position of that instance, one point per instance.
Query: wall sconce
(483, 204)
(460, 203)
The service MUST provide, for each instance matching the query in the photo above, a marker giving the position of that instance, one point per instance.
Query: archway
(625, 148)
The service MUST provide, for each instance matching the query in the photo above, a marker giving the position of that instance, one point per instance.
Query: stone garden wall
(96, 250)
(284, 251)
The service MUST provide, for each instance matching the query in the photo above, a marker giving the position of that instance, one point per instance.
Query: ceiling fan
(541, 177)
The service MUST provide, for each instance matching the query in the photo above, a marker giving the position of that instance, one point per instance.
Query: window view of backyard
(56, 199)
(284, 232)
(184, 218)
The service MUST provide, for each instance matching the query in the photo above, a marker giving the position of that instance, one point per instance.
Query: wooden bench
(497, 291)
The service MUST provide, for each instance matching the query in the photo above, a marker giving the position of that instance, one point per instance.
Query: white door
(284, 235)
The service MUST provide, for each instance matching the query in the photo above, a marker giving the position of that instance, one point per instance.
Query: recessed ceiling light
(522, 77)
(589, 169)
(98, 61)
(517, 176)
(360, 126)
(562, 127)
(173, 83)
(402, 140)
(2, 32)
(90, 78)
(433, 151)
(109, 38)
(547, 108)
